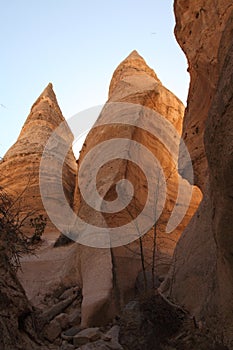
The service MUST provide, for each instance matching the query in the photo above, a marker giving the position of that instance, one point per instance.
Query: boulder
(113, 333)
(52, 331)
(86, 336)
(70, 333)
(70, 293)
(75, 317)
(56, 310)
(63, 320)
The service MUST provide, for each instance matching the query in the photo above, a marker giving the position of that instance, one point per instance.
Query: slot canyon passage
(157, 290)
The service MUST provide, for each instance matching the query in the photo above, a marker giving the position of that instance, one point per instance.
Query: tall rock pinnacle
(19, 169)
(135, 82)
(134, 86)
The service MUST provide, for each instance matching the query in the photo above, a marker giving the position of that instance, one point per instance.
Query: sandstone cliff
(137, 108)
(201, 275)
(199, 30)
(19, 169)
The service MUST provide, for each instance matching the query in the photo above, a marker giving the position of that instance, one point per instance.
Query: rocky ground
(152, 323)
(147, 323)
(59, 325)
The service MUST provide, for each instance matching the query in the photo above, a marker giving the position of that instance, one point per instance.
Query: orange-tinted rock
(200, 278)
(134, 82)
(135, 91)
(199, 29)
(19, 169)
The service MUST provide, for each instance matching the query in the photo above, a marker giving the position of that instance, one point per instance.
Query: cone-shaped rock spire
(19, 169)
(133, 65)
(134, 85)
(135, 82)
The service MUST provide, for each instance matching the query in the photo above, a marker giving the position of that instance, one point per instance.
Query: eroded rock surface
(137, 109)
(200, 26)
(201, 274)
(19, 169)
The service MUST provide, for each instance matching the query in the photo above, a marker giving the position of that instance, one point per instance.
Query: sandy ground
(44, 271)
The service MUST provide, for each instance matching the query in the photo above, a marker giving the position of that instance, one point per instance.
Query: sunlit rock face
(199, 30)
(139, 110)
(201, 276)
(19, 169)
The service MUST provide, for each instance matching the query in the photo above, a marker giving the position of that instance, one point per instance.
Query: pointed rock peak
(48, 90)
(134, 64)
(47, 93)
(134, 55)
(45, 108)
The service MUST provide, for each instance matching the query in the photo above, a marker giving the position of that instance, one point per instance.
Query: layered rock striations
(136, 98)
(19, 169)
(201, 275)
(199, 30)
(19, 178)
(134, 82)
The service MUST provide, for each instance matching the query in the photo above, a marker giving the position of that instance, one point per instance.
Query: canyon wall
(200, 26)
(201, 276)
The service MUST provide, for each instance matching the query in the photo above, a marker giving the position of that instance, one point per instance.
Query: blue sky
(77, 45)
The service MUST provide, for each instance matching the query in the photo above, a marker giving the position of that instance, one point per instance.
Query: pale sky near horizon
(77, 45)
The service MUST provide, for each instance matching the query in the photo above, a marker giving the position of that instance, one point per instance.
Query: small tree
(156, 224)
(148, 263)
(140, 240)
(13, 240)
(38, 223)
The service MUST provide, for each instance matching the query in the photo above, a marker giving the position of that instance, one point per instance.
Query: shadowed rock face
(15, 309)
(199, 28)
(201, 277)
(19, 169)
(114, 271)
